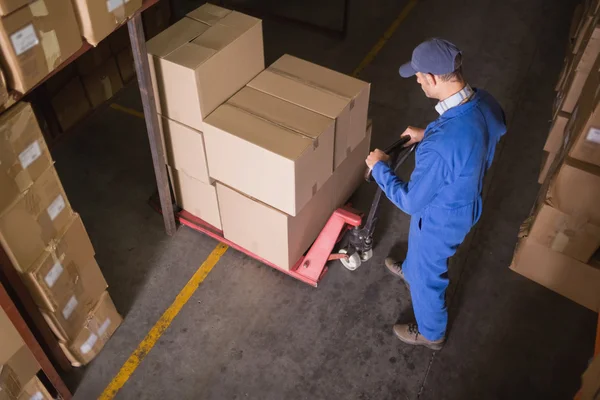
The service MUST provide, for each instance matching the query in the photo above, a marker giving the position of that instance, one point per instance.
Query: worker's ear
(431, 79)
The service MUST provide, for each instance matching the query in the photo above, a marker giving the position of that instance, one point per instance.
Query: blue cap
(435, 56)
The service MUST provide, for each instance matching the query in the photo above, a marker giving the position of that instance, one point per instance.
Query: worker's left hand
(375, 156)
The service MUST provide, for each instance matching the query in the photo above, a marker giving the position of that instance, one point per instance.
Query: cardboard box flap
(282, 113)
(240, 21)
(258, 131)
(175, 36)
(318, 76)
(209, 14)
(218, 37)
(190, 55)
(555, 136)
(296, 92)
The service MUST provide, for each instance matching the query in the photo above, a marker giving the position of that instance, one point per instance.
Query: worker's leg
(433, 238)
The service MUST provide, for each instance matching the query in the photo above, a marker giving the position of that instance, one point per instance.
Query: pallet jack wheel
(352, 262)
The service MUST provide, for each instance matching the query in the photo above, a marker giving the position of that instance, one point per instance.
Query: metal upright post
(142, 68)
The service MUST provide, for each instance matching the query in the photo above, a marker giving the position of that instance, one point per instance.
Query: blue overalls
(443, 198)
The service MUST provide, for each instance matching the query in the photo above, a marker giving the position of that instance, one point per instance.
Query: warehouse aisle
(251, 332)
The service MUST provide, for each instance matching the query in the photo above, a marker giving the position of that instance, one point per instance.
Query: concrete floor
(252, 332)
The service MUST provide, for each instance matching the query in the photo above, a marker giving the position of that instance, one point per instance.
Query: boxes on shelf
(70, 104)
(202, 60)
(65, 269)
(99, 18)
(277, 237)
(558, 272)
(9, 337)
(126, 65)
(3, 90)
(156, 19)
(184, 149)
(103, 83)
(24, 155)
(197, 197)
(567, 234)
(39, 215)
(575, 190)
(35, 389)
(102, 321)
(9, 383)
(36, 39)
(277, 152)
(329, 93)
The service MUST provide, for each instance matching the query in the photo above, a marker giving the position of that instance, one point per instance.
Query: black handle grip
(393, 150)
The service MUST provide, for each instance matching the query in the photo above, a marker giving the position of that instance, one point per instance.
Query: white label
(56, 207)
(37, 396)
(593, 135)
(70, 307)
(54, 273)
(112, 5)
(88, 345)
(24, 39)
(30, 154)
(104, 327)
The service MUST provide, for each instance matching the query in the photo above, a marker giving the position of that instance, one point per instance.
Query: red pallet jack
(344, 227)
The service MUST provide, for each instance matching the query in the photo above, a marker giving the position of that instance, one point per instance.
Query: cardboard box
(9, 337)
(4, 96)
(23, 364)
(564, 275)
(71, 104)
(277, 152)
(24, 155)
(9, 384)
(102, 322)
(59, 80)
(583, 64)
(99, 18)
(92, 59)
(329, 93)
(566, 234)
(66, 268)
(279, 238)
(103, 83)
(547, 160)
(35, 390)
(575, 190)
(126, 65)
(35, 40)
(8, 6)
(156, 19)
(202, 60)
(184, 149)
(196, 197)
(555, 139)
(39, 216)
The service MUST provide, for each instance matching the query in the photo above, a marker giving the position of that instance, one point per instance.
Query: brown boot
(409, 334)
(395, 268)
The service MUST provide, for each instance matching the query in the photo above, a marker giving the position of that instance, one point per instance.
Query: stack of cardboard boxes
(47, 242)
(560, 239)
(265, 155)
(18, 367)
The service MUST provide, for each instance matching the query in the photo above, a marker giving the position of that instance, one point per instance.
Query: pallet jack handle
(392, 151)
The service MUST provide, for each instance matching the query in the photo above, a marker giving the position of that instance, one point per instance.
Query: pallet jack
(344, 229)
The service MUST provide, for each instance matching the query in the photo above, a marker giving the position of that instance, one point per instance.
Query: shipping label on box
(65, 268)
(99, 18)
(184, 149)
(196, 197)
(196, 65)
(279, 238)
(277, 152)
(24, 155)
(102, 322)
(565, 234)
(39, 216)
(36, 39)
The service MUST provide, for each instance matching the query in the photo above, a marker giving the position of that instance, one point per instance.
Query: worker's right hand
(416, 135)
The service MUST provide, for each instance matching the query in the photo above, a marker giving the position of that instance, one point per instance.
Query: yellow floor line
(127, 110)
(163, 323)
(387, 34)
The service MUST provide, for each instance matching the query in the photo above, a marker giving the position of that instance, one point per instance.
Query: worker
(443, 195)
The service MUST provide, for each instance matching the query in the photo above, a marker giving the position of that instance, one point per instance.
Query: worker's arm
(429, 175)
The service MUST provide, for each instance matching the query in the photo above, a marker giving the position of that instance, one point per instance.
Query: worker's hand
(416, 135)
(376, 156)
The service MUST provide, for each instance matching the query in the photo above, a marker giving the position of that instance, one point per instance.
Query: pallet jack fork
(344, 226)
